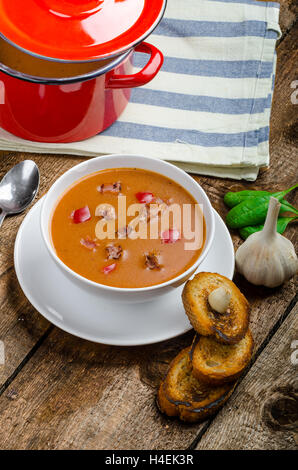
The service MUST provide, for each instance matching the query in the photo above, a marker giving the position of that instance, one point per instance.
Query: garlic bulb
(267, 258)
(219, 299)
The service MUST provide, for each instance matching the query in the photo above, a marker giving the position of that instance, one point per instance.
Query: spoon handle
(2, 217)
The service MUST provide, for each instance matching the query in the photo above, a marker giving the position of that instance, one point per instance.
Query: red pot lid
(78, 30)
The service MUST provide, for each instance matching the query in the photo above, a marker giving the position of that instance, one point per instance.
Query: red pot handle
(145, 75)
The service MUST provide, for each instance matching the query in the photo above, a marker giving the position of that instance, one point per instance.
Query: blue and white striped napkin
(208, 109)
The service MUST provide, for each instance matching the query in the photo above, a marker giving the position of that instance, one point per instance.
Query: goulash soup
(117, 227)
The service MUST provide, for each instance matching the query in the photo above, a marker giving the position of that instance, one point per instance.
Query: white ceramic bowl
(141, 294)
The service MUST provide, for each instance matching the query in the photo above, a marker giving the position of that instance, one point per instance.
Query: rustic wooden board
(21, 327)
(75, 394)
(62, 392)
(263, 412)
(288, 15)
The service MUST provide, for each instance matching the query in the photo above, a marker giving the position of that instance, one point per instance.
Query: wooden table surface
(61, 392)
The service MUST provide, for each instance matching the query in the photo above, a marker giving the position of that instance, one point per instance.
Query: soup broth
(122, 261)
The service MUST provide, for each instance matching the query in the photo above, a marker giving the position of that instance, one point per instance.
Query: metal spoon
(18, 188)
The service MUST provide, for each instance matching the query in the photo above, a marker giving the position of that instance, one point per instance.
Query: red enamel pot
(74, 108)
(66, 68)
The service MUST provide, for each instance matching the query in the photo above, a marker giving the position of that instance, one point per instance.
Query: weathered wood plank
(20, 325)
(50, 168)
(74, 394)
(288, 15)
(263, 411)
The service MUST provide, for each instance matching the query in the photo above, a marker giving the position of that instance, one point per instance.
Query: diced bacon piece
(109, 187)
(170, 236)
(145, 198)
(124, 231)
(113, 251)
(81, 215)
(158, 200)
(108, 269)
(105, 211)
(144, 213)
(89, 244)
(104, 188)
(156, 209)
(151, 261)
(117, 187)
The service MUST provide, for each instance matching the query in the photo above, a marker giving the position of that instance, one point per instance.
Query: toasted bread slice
(229, 327)
(216, 363)
(182, 395)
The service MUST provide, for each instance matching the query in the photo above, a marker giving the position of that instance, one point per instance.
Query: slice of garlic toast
(181, 394)
(217, 363)
(229, 327)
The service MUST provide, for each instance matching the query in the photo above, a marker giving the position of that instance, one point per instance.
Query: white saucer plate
(92, 317)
